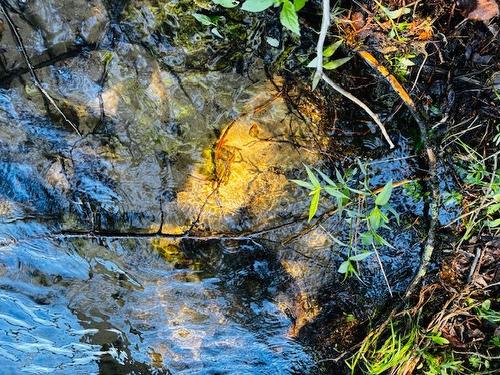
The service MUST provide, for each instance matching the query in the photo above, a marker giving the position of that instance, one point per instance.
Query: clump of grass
(396, 353)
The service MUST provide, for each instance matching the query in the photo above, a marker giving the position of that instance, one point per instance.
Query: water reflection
(140, 306)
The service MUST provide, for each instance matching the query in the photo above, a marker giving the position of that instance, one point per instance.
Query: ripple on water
(113, 307)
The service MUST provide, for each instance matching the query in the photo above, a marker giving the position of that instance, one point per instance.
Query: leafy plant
(365, 223)
(486, 312)
(327, 53)
(288, 12)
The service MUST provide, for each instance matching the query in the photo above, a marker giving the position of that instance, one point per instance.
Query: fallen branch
(36, 81)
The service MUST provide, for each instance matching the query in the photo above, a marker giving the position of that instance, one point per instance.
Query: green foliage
(365, 223)
(394, 353)
(486, 312)
(288, 12)
(327, 53)
(482, 179)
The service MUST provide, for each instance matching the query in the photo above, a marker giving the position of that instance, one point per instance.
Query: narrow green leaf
(493, 223)
(335, 193)
(367, 238)
(330, 50)
(384, 196)
(375, 218)
(314, 180)
(393, 14)
(257, 5)
(226, 3)
(314, 204)
(203, 19)
(358, 191)
(344, 267)
(288, 17)
(393, 212)
(439, 340)
(331, 65)
(325, 178)
(360, 257)
(304, 184)
(216, 33)
(338, 242)
(299, 4)
(339, 177)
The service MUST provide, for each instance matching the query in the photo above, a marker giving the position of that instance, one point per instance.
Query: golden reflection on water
(245, 168)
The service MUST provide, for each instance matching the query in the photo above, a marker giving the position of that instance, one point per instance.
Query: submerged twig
(36, 81)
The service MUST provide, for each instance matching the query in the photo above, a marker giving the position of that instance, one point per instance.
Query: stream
(163, 239)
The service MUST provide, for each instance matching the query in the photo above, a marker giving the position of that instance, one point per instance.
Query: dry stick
(431, 157)
(36, 81)
(325, 24)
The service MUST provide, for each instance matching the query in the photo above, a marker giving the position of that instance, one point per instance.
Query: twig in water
(36, 81)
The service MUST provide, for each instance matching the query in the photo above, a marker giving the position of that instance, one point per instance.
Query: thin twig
(382, 269)
(325, 24)
(36, 81)
(351, 97)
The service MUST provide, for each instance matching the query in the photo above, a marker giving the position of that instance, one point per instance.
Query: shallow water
(166, 238)
(119, 306)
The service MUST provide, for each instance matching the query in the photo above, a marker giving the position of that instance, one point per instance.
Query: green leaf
(331, 65)
(360, 257)
(304, 184)
(203, 19)
(358, 191)
(486, 305)
(367, 238)
(393, 14)
(344, 267)
(375, 218)
(384, 196)
(299, 4)
(330, 50)
(393, 212)
(288, 17)
(439, 340)
(325, 178)
(312, 177)
(339, 177)
(314, 203)
(493, 223)
(226, 3)
(335, 193)
(273, 42)
(257, 5)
